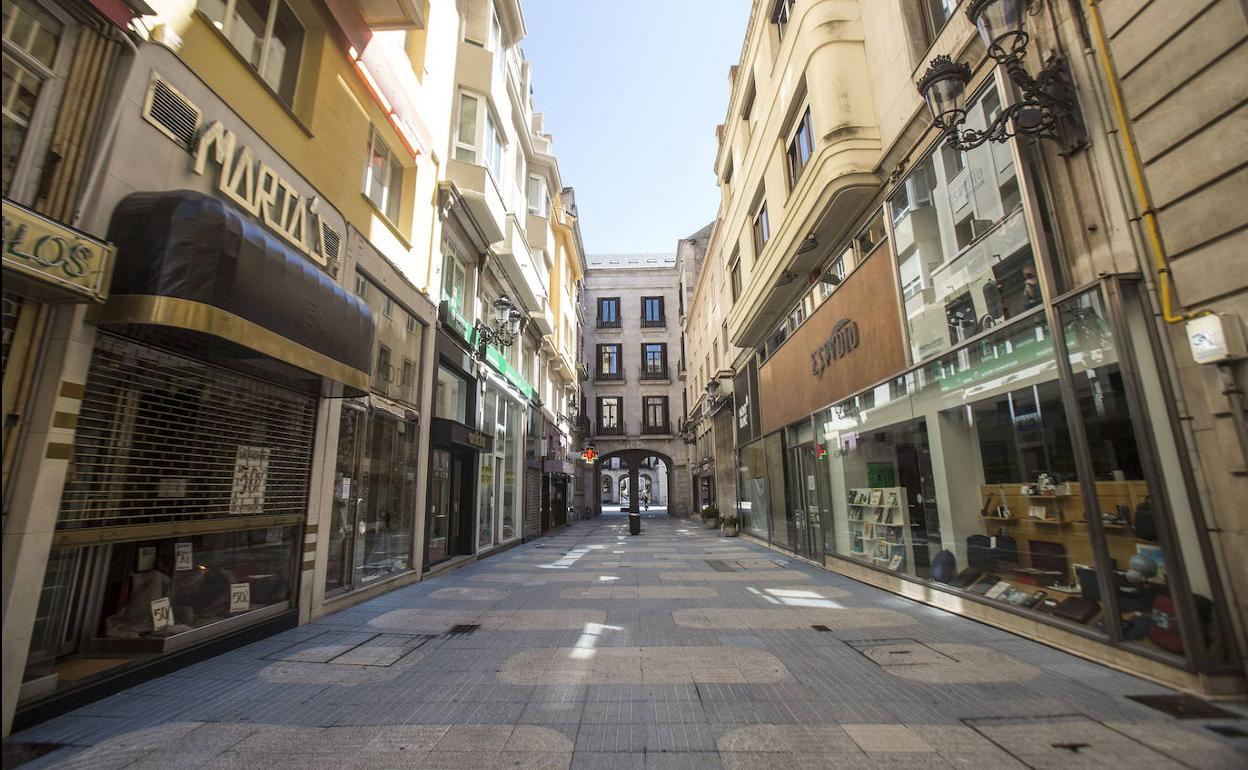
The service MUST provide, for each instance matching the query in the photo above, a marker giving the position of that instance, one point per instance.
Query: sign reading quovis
(256, 187)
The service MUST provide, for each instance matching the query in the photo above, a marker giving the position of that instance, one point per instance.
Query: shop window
(965, 260)
(450, 396)
(383, 177)
(266, 33)
(32, 41)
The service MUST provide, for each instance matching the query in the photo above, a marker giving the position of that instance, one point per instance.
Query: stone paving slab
(708, 657)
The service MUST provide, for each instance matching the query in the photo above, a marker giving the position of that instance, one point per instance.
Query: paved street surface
(678, 649)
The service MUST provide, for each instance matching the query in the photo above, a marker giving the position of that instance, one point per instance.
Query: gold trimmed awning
(186, 260)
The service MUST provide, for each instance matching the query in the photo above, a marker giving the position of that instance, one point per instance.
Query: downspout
(1161, 267)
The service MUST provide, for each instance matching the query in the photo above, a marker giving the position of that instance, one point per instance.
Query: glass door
(350, 490)
(439, 507)
(805, 502)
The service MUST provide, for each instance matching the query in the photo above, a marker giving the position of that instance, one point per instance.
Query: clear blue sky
(632, 91)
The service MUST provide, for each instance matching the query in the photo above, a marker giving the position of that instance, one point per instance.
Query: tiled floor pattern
(738, 659)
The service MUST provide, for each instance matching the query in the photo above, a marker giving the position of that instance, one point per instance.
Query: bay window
(477, 138)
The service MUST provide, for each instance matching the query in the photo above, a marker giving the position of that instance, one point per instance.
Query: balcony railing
(655, 373)
(651, 430)
(608, 376)
(609, 430)
(608, 323)
(653, 323)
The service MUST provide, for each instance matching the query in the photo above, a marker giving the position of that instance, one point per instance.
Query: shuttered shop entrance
(166, 438)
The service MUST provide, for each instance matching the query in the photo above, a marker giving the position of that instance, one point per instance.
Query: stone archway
(635, 468)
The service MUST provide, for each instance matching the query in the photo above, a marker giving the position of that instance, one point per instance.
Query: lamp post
(1049, 108)
(507, 322)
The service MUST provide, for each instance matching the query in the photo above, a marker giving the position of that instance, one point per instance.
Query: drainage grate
(821, 628)
(719, 565)
(1183, 706)
(462, 629)
(1227, 731)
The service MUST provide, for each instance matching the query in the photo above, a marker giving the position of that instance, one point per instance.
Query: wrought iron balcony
(653, 430)
(609, 376)
(654, 323)
(655, 373)
(609, 430)
(608, 323)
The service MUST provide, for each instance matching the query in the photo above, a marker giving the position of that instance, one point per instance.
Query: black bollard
(634, 523)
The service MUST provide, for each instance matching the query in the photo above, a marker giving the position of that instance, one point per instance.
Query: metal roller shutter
(532, 503)
(166, 438)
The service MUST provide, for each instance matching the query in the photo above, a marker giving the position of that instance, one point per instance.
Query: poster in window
(183, 556)
(240, 597)
(162, 614)
(251, 472)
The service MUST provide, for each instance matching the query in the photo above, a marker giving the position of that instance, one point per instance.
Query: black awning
(192, 261)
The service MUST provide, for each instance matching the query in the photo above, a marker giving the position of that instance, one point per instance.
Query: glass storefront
(499, 494)
(372, 531)
(753, 496)
(964, 472)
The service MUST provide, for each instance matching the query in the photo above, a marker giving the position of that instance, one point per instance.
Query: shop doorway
(809, 501)
(448, 529)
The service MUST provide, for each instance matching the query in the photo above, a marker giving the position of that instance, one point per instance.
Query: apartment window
(454, 282)
(747, 103)
(264, 32)
(477, 138)
(652, 311)
(382, 375)
(32, 38)
(762, 230)
(411, 323)
(383, 177)
(494, 42)
(608, 312)
(610, 414)
(654, 361)
(407, 378)
(609, 362)
(655, 414)
(539, 200)
(734, 277)
(361, 287)
(801, 147)
(387, 308)
(936, 13)
(780, 15)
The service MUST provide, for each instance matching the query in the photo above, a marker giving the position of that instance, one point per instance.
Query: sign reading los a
(257, 187)
(54, 254)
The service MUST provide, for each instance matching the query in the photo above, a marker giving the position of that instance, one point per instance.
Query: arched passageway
(618, 473)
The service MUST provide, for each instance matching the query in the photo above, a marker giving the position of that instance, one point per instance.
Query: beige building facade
(961, 364)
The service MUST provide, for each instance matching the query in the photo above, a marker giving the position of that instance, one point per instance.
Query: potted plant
(729, 521)
(710, 517)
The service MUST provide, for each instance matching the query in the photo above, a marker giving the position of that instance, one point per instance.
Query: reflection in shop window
(965, 261)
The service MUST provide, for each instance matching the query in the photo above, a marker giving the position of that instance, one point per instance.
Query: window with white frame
(32, 58)
(761, 229)
(801, 147)
(539, 198)
(494, 41)
(264, 32)
(454, 282)
(383, 177)
(477, 138)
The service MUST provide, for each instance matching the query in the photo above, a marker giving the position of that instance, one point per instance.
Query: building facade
(244, 434)
(960, 365)
(633, 395)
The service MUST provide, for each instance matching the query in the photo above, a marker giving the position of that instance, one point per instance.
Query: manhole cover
(887, 653)
(1054, 741)
(719, 565)
(1183, 706)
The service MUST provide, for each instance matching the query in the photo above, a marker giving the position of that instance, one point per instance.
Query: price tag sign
(162, 613)
(183, 557)
(240, 597)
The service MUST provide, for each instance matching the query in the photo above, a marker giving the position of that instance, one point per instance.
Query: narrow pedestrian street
(679, 648)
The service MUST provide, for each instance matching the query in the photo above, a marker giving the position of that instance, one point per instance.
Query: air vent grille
(171, 113)
(331, 243)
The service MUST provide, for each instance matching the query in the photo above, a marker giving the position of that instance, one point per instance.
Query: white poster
(251, 472)
(240, 597)
(184, 558)
(273, 536)
(162, 613)
(147, 559)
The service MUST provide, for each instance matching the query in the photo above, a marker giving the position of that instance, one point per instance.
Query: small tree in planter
(729, 521)
(710, 517)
